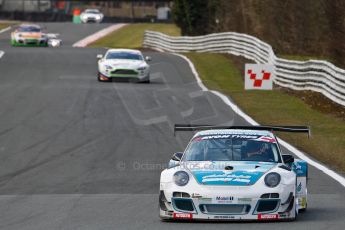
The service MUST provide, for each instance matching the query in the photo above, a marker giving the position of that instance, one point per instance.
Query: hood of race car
(124, 64)
(237, 174)
(29, 34)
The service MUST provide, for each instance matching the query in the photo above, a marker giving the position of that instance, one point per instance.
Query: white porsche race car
(123, 64)
(233, 173)
(91, 15)
(33, 35)
(29, 35)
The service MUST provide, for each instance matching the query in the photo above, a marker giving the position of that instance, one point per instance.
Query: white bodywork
(91, 15)
(29, 37)
(122, 68)
(35, 38)
(230, 197)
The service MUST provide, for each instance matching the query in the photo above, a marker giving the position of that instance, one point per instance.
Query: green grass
(4, 25)
(276, 107)
(304, 58)
(131, 36)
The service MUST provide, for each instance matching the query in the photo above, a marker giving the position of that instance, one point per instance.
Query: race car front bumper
(128, 75)
(234, 205)
(30, 42)
(91, 19)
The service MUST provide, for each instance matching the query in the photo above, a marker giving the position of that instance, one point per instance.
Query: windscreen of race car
(230, 148)
(124, 55)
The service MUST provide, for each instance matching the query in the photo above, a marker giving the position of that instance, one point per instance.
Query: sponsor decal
(182, 215)
(224, 217)
(205, 199)
(300, 168)
(224, 199)
(231, 178)
(237, 136)
(244, 200)
(196, 195)
(302, 202)
(31, 36)
(197, 139)
(226, 136)
(201, 198)
(241, 178)
(268, 216)
(299, 187)
(244, 174)
(284, 215)
(297, 166)
(266, 139)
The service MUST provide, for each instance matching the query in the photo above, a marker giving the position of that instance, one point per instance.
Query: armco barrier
(318, 76)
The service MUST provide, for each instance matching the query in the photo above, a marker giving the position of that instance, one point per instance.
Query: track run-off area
(76, 153)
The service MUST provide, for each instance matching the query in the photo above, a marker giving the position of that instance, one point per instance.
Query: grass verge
(4, 25)
(303, 57)
(222, 73)
(131, 36)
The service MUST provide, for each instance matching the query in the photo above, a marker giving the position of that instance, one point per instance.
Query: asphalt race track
(80, 154)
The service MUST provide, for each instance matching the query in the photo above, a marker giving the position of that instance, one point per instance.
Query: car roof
(234, 132)
(124, 50)
(91, 9)
(30, 25)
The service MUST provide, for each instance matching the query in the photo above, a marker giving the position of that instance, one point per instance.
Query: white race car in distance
(123, 64)
(233, 173)
(29, 35)
(91, 15)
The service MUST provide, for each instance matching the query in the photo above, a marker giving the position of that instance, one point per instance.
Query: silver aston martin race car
(233, 173)
(125, 64)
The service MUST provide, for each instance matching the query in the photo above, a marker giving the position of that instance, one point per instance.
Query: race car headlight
(108, 67)
(272, 179)
(181, 178)
(98, 16)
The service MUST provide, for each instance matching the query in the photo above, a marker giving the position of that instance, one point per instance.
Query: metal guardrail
(318, 76)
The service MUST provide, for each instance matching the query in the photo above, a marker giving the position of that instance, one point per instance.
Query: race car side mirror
(148, 58)
(177, 156)
(288, 159)
(99, 56)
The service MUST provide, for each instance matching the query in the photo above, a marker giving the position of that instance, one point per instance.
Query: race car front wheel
(147, 80)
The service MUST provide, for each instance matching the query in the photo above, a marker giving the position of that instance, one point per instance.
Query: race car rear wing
(279, 128)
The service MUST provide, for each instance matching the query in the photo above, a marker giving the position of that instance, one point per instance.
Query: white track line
(102, 33)
(2, 53)
(5, 29)
(250, 120)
